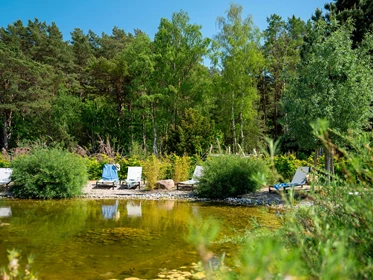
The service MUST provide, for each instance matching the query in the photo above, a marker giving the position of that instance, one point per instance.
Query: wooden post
(217, 140)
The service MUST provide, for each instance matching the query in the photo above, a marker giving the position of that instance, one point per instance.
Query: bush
(226, 176)
(287, 165)
(94, 168)
(4, 163)
(152, 168)
(181, 168)
(48, 173)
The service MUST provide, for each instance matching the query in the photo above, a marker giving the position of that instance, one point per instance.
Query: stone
(165, 184)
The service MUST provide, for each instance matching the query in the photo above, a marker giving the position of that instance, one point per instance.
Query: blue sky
(102, 15)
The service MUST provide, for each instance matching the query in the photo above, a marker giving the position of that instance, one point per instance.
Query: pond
(106, 239)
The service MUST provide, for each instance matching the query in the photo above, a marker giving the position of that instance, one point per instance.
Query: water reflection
(167, 205)
(111, 211)
(134, 209)
(5, 212)
(86, 239)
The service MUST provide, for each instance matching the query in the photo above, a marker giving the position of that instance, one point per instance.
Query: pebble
(253, 199)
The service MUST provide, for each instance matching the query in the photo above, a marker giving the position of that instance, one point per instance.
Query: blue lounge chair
(109, 176)
(110, 211)
(299, 179)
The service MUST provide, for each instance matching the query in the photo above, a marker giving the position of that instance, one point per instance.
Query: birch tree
(240, 61)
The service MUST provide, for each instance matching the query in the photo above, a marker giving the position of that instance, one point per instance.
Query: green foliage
(360, 11)
(151, 170)
(48, 173)
(240, 59)
(336, 230)
(287, 165)
(334, 84)
(94, 168)
(227, 176)
(181, 168)
(281, 49)
(4, 162)
(14, 270)
(193, 135)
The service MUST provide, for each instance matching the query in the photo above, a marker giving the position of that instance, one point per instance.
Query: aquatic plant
(14, 270)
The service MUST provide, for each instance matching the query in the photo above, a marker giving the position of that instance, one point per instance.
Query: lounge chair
(133, 180)
(197, 174)
(109, 176)
(5, 176)
(5, 212)
(299, 179)
(110, 211)
(134, 209)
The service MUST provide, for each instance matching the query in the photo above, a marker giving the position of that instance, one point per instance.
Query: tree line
(158, 95)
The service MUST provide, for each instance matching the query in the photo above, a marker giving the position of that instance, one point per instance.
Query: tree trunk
(328, 163)
(5, 136)
(233, 126)
(275, 112)
(143, 133)
(242, 122)
(155, 149)
(241, 130)
(6, 133)
(264, 101)
(315, 157)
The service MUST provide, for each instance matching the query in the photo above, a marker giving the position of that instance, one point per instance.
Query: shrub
(226, 176)
(152, 168)
(181, 168)
(94, 168)
(48, 173)
(4, 162)
(287, 165)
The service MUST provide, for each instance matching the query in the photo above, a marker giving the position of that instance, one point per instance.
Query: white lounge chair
(5, 176)
(197, 174)
(134, 209)
(5, 212)
(134, 177)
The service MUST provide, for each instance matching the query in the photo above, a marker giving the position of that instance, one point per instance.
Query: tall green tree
(143, 100)
(361, 11)
(180, 48)
(193, 136)
(26, 89)
(240, 61)
(334, 83)
(282, 51)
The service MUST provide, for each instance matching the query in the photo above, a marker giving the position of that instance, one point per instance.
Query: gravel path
(91, 191)
(262, 197)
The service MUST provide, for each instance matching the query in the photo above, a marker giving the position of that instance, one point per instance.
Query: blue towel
(109, 211)
(281, 185)
(285, 185)
(110, 173)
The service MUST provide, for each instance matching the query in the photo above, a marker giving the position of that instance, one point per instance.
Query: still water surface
(106, 239)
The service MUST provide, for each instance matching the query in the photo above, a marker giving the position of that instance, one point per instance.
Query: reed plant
(181, 169)
(151, 169)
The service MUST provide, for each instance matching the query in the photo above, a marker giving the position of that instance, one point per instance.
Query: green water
(107, 239)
